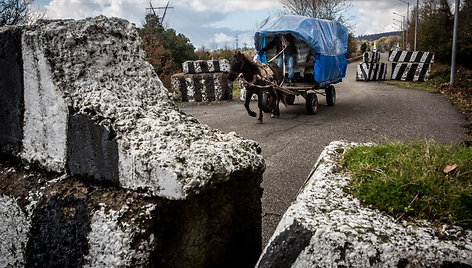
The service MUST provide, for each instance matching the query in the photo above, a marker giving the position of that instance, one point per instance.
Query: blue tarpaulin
(326, 39)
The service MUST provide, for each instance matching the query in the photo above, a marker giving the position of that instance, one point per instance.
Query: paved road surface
(364, 111)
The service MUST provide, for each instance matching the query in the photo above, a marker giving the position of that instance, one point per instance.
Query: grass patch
(408, 180)
(410, 84)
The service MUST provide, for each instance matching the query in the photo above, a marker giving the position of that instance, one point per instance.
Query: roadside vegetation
(416, 180)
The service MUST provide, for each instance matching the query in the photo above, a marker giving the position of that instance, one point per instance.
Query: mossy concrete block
(327, 227)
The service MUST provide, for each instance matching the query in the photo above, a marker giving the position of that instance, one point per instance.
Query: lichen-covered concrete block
(204, 87)
(205, 66)
(327, 227)
(53, 220)
(94, 107)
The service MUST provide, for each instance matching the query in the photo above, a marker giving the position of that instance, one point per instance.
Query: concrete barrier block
(205, 66)
(327, 227)
(11, 91)
(371, 57)
(56, 220)
(94, 108)
(371, 71)
(202, 87)
(411, 56)
(411, 71)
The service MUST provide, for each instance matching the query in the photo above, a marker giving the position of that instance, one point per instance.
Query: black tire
(330, 95)
(312, 103)
(289, 99)
(268, 102)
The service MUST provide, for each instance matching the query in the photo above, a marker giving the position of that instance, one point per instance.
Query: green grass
(407, 180)
(409, 84)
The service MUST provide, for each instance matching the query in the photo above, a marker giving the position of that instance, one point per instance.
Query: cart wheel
(289, 99)
(330, 95)
(268, 102)
(312, 103)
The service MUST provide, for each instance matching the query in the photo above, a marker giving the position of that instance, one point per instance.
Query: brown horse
(261, 78)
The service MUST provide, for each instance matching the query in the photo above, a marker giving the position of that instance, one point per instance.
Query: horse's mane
(252, 65)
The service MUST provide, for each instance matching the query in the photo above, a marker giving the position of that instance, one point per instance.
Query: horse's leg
(249, 93)
(276, 111)
(277, 101)
(259, 103)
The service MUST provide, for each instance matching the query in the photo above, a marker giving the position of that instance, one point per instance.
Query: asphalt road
(364, 111)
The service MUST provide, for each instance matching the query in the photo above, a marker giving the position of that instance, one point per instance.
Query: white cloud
(221, 38)
(229, 6)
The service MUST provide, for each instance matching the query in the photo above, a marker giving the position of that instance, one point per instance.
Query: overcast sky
(216, 23)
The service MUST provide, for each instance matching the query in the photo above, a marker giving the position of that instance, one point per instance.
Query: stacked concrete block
(328, 227)
(104, 169)
(371, 69)
(206, 66)
(371, 57)
(411, 65)
(200, 87)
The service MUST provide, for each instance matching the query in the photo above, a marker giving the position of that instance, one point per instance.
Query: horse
(261, 77)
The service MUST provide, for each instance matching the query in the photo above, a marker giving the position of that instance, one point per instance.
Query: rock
(342, 232)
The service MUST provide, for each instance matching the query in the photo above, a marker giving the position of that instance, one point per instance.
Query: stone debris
(343, 233)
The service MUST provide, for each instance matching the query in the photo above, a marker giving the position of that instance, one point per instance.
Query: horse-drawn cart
(321, 57)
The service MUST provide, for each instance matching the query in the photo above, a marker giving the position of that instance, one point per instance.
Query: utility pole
(407, 18)
(153, 10)
(416, 23)
(236, 39)
(454, 44)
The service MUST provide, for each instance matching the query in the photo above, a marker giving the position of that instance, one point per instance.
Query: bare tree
(14, 11)
(320, 9)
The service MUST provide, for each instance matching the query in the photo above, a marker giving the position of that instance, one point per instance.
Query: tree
(320, 9)
(352, 46)
(165, 49)
(14, 11)
(435, 29)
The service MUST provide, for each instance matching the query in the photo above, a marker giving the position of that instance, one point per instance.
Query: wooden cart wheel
(330, 95)
(268, 102)
(289, 99)
(311, 103)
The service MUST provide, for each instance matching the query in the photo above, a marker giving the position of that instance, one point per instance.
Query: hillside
(372, 37)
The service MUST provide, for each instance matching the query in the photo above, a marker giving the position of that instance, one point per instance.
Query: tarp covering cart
(321, 54)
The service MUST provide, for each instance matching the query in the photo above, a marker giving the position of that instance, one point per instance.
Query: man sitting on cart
(286, 43)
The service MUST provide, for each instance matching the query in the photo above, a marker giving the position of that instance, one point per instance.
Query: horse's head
(236, 66)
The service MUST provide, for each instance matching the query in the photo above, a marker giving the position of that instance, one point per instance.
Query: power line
(153, 10)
